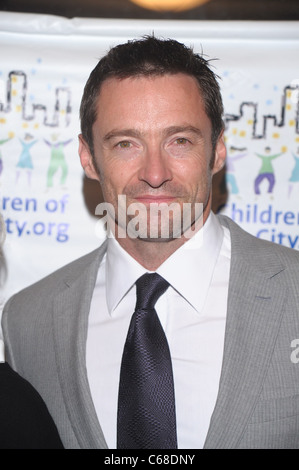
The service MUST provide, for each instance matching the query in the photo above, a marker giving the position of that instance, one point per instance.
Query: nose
(155, 169)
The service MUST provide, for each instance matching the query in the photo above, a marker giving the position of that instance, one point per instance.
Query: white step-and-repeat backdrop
(45, 61)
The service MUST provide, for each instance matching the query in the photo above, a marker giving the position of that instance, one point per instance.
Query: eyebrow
(181, 129)
(137, 134)
(122, 132)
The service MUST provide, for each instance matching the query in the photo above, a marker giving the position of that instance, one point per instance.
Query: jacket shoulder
(252, 247)
(52, 284)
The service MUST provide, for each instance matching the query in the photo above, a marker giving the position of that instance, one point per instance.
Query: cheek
(195, 173)
(113, 181)
(110, 187)
(202, 184)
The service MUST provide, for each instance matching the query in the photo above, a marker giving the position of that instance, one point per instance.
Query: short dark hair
(150, 56)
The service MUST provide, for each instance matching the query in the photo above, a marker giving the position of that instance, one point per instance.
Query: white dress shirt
(193, 314)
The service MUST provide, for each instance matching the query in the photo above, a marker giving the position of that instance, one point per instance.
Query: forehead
(159, 100)
(154, 85)
(151, 78)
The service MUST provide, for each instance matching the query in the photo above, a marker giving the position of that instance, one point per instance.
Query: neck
(150, 253)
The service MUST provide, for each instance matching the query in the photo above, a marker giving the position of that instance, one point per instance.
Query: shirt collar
(189, 269)
(122, 271)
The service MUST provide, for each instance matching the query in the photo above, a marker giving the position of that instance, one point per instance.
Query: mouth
(155, 199)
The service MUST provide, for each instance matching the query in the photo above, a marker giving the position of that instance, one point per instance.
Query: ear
(87, 159)
(220, 154)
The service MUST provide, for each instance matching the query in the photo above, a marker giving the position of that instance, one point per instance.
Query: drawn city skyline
(37, 107)
(267, 119)
(276, 121)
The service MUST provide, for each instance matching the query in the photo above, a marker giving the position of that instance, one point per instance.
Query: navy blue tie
(146, 404)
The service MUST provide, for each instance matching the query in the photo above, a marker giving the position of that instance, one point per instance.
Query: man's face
(152, 144)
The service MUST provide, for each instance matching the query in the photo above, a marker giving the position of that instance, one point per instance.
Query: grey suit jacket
(45, 330)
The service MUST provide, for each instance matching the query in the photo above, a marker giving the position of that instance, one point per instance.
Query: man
(220, 375)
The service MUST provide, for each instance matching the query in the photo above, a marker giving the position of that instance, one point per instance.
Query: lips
(150, 199)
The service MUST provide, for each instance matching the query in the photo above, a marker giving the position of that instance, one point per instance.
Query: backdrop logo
(262, 169)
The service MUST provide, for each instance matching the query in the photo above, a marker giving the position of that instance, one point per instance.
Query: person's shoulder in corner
(25, 422)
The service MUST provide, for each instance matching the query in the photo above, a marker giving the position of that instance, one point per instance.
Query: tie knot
(149, 288)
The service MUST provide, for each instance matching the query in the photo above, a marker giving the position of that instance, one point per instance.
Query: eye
(124, 144)
(181, 141)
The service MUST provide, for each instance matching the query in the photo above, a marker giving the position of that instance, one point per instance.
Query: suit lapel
(70, 316)
(255, 307)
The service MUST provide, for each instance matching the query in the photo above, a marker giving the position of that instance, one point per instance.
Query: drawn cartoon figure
(230, 167)
(57, 160)
(294, 178)
(266, 171)
(25, 160)
(2, 142)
